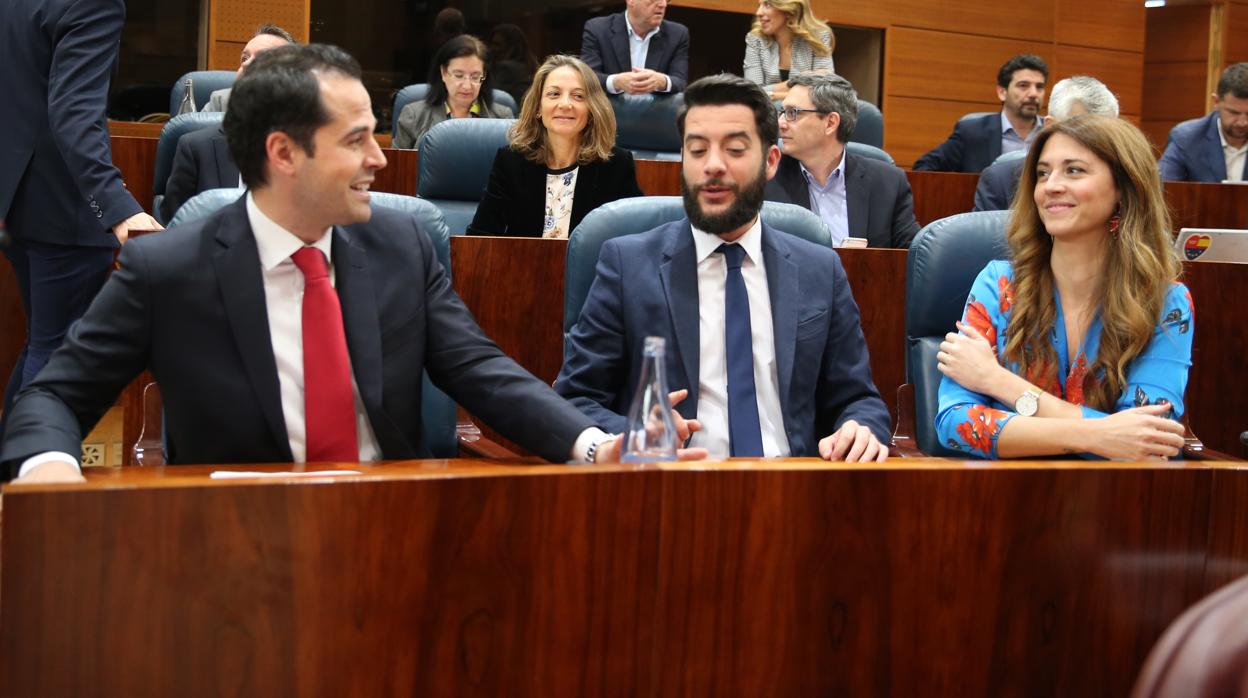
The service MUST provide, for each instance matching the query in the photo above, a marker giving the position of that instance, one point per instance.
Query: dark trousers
(57, 283)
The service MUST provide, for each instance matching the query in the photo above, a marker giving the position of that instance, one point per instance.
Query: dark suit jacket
(604, 47)
(57, 180)
(188, 304)
(202, 162)
(514, 202)
(877, 196)
(647, 285)
(1194, 152)
(997, 184)
(972, 146)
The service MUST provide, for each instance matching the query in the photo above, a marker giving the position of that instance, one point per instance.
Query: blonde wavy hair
(1139, 268)
(803, 23)
(528, 135)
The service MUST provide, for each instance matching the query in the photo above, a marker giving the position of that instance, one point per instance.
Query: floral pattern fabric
(970, 422)
(560, 191)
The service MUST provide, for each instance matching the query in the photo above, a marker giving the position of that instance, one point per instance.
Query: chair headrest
(205, 204)
(1010, 156)
(170, 134)
(869, 151)
(870, 126)
(456, 156)
(647, 122)
(943, 261)
(204, 83)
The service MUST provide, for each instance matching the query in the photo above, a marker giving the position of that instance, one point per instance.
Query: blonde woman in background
(786, 39)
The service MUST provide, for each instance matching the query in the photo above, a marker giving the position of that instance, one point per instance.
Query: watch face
(1026, 404)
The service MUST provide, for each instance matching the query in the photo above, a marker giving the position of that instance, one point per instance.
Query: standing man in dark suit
(977, 140)
(855, 196)
(637, 51)
(761, 326)
(61, 198)
(295, 323)
(1213, 148)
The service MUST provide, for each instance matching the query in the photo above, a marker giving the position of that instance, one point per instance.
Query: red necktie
(329, 406)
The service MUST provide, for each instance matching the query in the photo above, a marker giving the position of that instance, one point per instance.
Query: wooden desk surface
(933, 578)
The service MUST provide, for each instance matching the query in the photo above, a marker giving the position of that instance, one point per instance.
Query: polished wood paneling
(1176, 91)
(1176, 34)
(913, 126)
(1199, 205)
(1217, 390)
(658, 177)
(941, 194)
(12, 321)
(1116, 24)
(1121, 71)
(933, 578)
(135, 158)
(1235, 31)
(871, 271)
(134, 128)
(950, 67)
(399, 174)
(1026, 21)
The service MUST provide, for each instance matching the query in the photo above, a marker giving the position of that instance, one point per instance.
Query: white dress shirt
(712, 360)
(829, 201)
(1234, 158)
(638, 51)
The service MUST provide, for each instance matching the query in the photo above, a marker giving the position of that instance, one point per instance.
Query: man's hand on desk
(139, 221)
(610, 452)
(853, 443)
(50, 472)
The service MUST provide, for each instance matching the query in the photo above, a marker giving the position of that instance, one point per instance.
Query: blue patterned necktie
(745, 437)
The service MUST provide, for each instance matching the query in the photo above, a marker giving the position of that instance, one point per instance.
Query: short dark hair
(1023, 61)
(274, 30)
(1234, 80)
(280, 91)
(829, 93)
(458, 47)
(726, 89)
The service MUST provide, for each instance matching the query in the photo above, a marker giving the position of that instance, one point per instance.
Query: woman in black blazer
(562, 161)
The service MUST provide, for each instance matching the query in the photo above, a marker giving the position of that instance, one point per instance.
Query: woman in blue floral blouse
(1081, 343)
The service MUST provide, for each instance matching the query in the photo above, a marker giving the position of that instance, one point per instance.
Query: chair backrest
(1011, 155)
(869, 151)
(870, 127)
(646, 125)
(637, 215)
(167, 147)
(437, 408)
(1203, 654)
(204, 83)
(943, 261)
(417, 92)
(454, 166)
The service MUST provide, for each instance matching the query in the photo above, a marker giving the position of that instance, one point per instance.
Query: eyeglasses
(460, 76)
(792, 114)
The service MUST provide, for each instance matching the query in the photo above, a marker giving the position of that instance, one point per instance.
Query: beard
(746, 203)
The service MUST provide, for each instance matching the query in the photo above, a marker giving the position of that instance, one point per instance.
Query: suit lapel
(1213, 144)
(793, 182)
(226, 171)
(619, 42)
(858, 200)
(994, 142)
(359, 315)
(237, 264)
(679, 272)
(782, 286)
(654, 54)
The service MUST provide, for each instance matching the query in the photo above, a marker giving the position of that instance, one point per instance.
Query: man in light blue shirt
(658, 50)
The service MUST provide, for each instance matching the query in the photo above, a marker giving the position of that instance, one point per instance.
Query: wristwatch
(1027, 403)
(591, 453)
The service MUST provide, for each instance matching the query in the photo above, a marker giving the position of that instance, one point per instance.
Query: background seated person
(786, 39)
(267, 36)
(1213, 148)
(562, 162)
(853, 195)
(456, 91)
(1070, 97)
(1081, 343)
(976, 142)
(657, 50)
(512, 64)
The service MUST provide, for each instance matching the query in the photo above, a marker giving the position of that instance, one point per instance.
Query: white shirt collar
(706, 243)
(1008, 127)
(276, 244)
(833, 176)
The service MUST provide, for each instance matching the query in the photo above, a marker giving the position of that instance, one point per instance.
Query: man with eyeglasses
(855, 196)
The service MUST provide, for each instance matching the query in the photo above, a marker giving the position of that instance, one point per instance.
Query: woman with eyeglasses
(562, 161)
(786, 39)
(1081, 341)
(455, 92)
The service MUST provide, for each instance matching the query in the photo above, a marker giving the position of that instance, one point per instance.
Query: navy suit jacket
(647, 285)
(604, 47)
(877, 195)
(973, 145)
(188, 305)
(1194, 152)
(997, 185)
(202, 162)
(57, 179)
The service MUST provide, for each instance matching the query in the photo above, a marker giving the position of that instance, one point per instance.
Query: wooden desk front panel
(940, 580)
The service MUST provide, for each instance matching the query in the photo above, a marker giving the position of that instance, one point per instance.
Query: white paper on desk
(236, 474)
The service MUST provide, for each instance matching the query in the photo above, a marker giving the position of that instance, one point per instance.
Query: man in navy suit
(219, 310)
(761, 327)
(637, 51)
(977, 140)
(855, 196)
(202, 162)
(63, 201)
(1213, 148)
